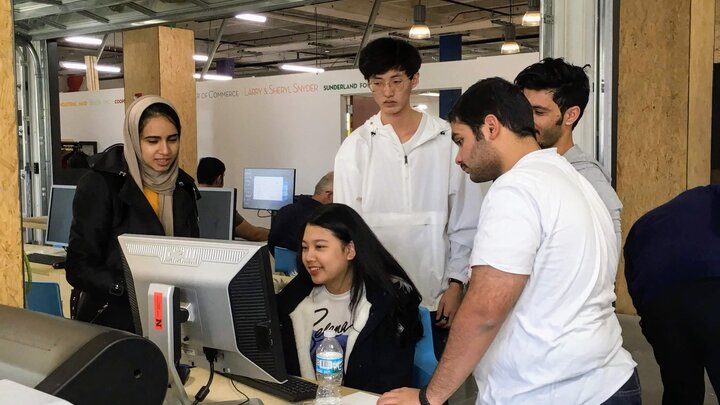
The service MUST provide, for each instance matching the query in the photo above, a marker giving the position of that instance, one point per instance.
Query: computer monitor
(216, 212)
(60, 215)
(226, 288)
(268, 189)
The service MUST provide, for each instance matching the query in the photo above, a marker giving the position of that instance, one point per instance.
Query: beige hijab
(162, 183)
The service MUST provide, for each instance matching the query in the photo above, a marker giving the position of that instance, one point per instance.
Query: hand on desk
(400, 396)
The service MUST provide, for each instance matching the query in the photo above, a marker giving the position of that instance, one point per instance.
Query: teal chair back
(44, 296)
(285, 261)
(425, 361)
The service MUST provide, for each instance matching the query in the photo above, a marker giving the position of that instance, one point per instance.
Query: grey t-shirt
(594, 173)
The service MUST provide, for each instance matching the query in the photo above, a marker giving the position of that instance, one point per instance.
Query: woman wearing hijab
(135, 187)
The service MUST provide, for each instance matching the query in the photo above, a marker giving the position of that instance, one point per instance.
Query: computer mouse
(253, 401)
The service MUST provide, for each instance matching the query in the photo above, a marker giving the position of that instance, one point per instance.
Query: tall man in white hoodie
(397, 171)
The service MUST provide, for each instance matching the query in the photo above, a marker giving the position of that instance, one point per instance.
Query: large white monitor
(225, 287)
(216, 212)
(60, 215)
(268, 189)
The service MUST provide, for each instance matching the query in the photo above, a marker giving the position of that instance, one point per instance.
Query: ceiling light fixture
(510, 46)
(430, 94)
(84, 40)
(298, 68)
(200, 58)
(251, 17)
(419, 30)
(532, 16)
(147, 22)
(421, 107)
(210, 76)
(81, 66)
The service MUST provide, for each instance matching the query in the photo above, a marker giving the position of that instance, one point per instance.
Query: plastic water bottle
(329, 370)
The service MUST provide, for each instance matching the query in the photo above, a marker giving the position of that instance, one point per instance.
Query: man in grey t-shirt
(558, 93)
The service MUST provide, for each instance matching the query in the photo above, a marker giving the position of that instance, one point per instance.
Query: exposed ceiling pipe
(215, 46)
(368, 30)
(305, 20)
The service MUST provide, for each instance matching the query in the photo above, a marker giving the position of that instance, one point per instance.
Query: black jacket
(109, 203)
(287, 224)
(378, 362)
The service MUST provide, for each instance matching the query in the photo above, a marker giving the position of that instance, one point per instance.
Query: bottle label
(328, 363)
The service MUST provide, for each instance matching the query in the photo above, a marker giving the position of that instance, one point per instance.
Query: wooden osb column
(158, 60)
(664, 106)
(11, 277)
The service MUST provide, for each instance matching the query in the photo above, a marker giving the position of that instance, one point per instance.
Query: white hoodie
(422, 206)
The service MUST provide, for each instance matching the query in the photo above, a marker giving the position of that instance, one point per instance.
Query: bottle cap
(329, 333)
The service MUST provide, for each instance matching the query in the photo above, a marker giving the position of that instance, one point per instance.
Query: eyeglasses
(395, 84)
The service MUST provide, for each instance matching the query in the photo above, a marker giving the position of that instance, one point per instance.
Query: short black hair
(568, 83)
(209, 168)
(494, 96)
(384, 54)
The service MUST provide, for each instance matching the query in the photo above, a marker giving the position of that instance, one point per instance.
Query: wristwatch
(423, 397)
(454, 280)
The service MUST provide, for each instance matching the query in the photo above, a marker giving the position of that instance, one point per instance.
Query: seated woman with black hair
(351, 284)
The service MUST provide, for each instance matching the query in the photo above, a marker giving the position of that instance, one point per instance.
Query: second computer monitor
(216, 212)
(60, 215)
(268, 189)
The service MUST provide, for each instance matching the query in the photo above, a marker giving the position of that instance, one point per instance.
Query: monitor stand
(161, 331)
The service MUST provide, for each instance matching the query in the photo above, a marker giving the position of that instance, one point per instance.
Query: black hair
(209, 168)
(494, 96)
(159, 110)
(384, 54)
(372, 264)
(568, 83)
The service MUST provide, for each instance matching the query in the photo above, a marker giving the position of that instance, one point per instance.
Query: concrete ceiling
(321, 33)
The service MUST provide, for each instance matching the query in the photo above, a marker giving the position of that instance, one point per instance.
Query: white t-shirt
(331, 312)
(561, 343)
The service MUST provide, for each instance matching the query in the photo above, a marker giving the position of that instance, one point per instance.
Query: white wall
(273, 121)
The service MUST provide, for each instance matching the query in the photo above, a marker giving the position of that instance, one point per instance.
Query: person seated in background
(288, 224)
(672, 267)
(211, 173)
(352, 285)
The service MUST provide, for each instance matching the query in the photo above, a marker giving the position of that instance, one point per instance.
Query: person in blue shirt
(672, 267)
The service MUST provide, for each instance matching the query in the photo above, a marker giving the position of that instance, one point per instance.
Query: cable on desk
(247, 398)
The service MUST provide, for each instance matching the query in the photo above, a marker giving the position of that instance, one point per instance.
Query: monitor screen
(216, 212)
(60, 215)
(268, 189)
(227, 290)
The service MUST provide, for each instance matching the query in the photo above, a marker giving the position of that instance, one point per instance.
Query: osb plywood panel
(702, 28)
(177, 84)
(717, 31)
(653, 68)
(11, 281)
(141, 63)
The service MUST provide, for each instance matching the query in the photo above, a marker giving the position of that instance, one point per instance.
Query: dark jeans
(440, 336)
(628, 394)
(683, 328)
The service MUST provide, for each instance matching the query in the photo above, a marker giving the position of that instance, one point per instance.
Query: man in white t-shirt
(537, 324)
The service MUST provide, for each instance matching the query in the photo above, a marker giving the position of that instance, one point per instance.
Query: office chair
(285, 261)
(425, 361)
(44, 296)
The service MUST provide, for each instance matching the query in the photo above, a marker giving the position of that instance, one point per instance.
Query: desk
(35, 222)
(223, 390)
(43, 272)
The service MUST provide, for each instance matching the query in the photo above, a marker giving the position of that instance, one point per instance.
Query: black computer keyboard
(57, 262)
(295, 389)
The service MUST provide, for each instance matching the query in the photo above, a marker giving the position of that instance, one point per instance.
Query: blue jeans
(628, 394)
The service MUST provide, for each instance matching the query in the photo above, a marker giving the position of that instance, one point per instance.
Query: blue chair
(285, 261)
(425, 361)
(44, 296)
